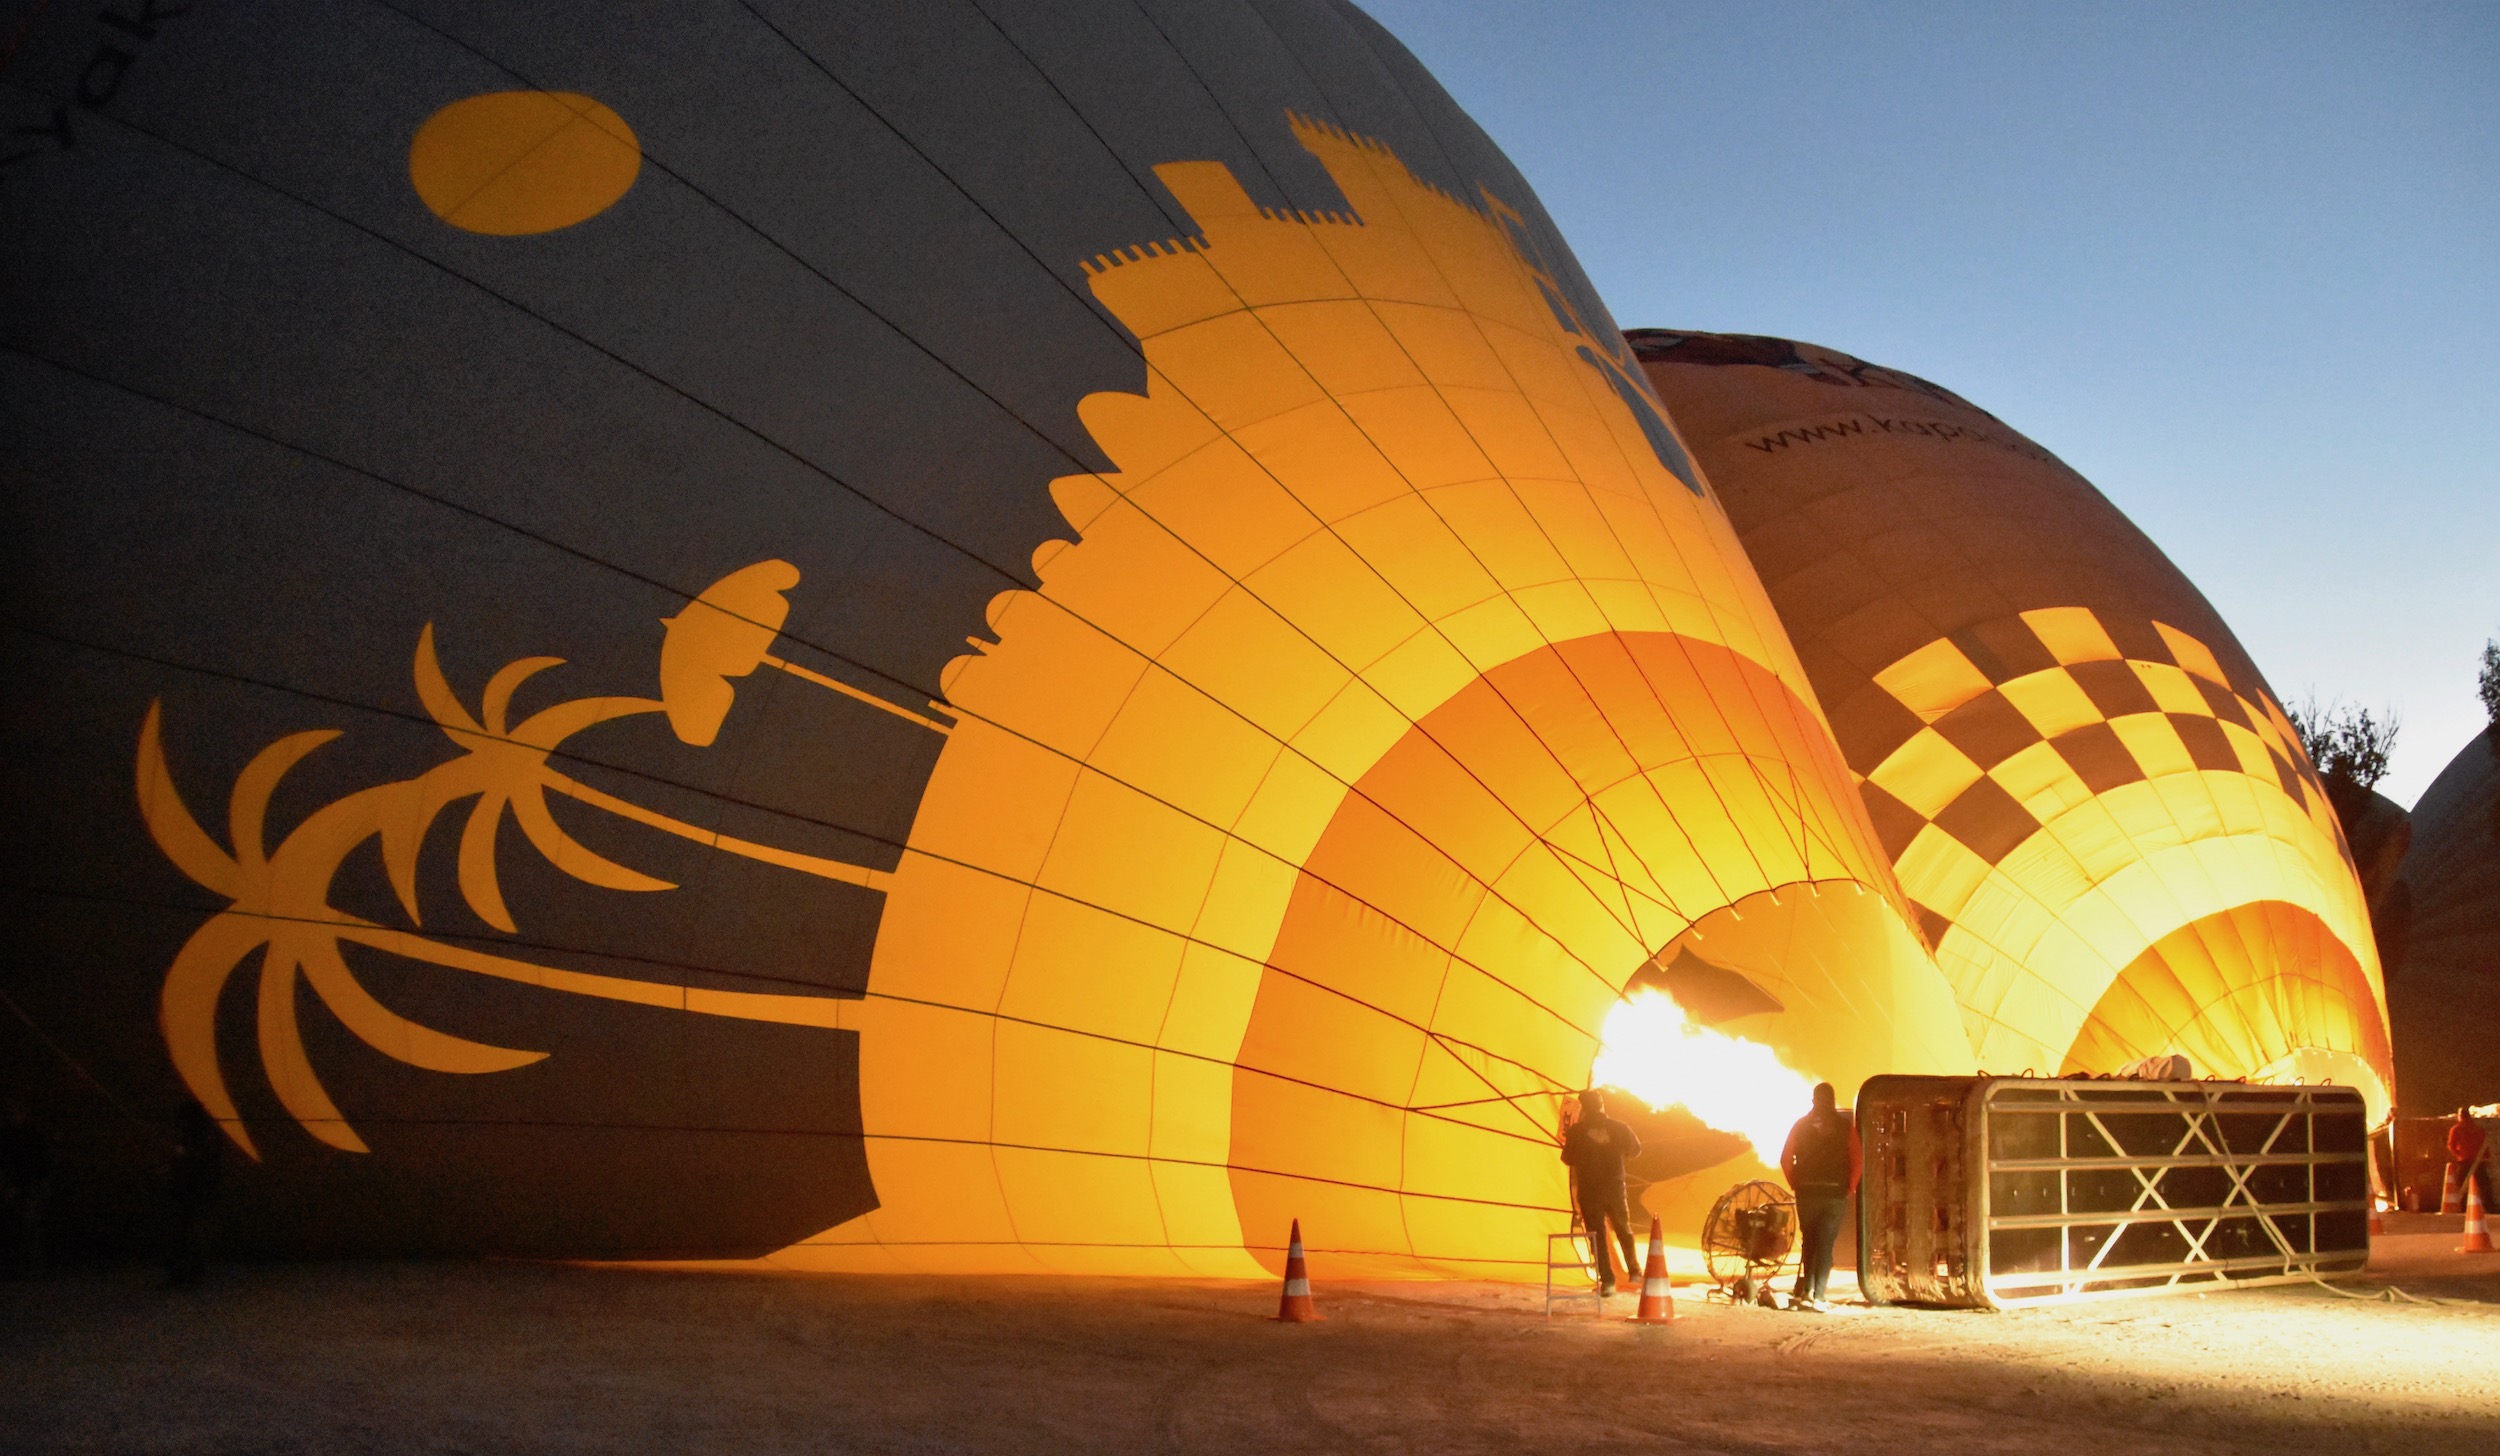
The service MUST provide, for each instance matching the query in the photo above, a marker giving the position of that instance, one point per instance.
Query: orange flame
(1649, 1049)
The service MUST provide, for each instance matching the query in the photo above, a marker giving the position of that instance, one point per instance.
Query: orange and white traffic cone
(1296, 1307)
(2477, 1236)
(1657, 1298)
(2452, 1197)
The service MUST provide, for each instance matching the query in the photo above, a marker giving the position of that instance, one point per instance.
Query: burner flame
(1650, 1050)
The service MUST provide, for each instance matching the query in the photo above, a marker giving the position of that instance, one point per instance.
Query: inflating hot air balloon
(2115, 842)
(2444, 998)
(952, 637)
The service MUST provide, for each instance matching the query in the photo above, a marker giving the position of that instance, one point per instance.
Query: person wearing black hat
(1596, 1147)
(1822, 1162)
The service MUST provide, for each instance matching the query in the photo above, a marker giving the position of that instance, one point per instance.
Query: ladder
(1568, 1251)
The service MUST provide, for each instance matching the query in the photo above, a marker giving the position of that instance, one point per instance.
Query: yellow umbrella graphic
(727, 632)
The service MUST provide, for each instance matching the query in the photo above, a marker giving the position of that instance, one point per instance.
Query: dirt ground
(446, 1357)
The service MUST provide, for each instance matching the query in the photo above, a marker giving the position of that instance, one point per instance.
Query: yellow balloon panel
(1393, 705)
(2229, 989)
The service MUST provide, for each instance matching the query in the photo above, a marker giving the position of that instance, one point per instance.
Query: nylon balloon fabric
(2116, 844)
(945, 636)
(1395, 703)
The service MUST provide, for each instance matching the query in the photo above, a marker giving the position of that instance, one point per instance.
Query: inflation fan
(1748, 1239)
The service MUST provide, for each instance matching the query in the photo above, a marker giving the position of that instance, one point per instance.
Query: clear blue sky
(2237, 263)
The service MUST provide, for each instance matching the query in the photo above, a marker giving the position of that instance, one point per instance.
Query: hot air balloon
(2117, 847)
(2445, 993)
(929, 639)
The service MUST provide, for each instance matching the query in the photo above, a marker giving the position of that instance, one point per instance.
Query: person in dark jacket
(1596, 1147)
(191, 1185)
(25, 1186)
(1822, 1162)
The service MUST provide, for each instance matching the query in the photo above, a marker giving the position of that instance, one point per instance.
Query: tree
(2487, 683)
(2487, 687)
(2349, 745)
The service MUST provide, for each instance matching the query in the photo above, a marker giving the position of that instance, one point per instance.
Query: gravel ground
(444, 1357)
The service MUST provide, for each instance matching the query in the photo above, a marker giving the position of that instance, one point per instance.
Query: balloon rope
(830, 869)
(871, 699)
(740, 1005)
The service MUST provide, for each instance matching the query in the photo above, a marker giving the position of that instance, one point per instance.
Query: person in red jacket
(2465, 1153)
(1822, 1162)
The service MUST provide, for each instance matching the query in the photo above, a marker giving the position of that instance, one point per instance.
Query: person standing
(191, 1185)
(25, 1186)
(1821, 1161)
(2466, 1145)
(1596, 1147)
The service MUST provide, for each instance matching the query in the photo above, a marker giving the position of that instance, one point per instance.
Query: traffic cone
(1657, 1299)
(2451, 1197)
(2378, 1221)
(2477, 1237)
(1296, 1308)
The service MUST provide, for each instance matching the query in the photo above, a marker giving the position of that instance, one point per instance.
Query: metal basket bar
(2181, 1267)
(2182, 1160)
(2080, 1219)
(2014, 1092)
